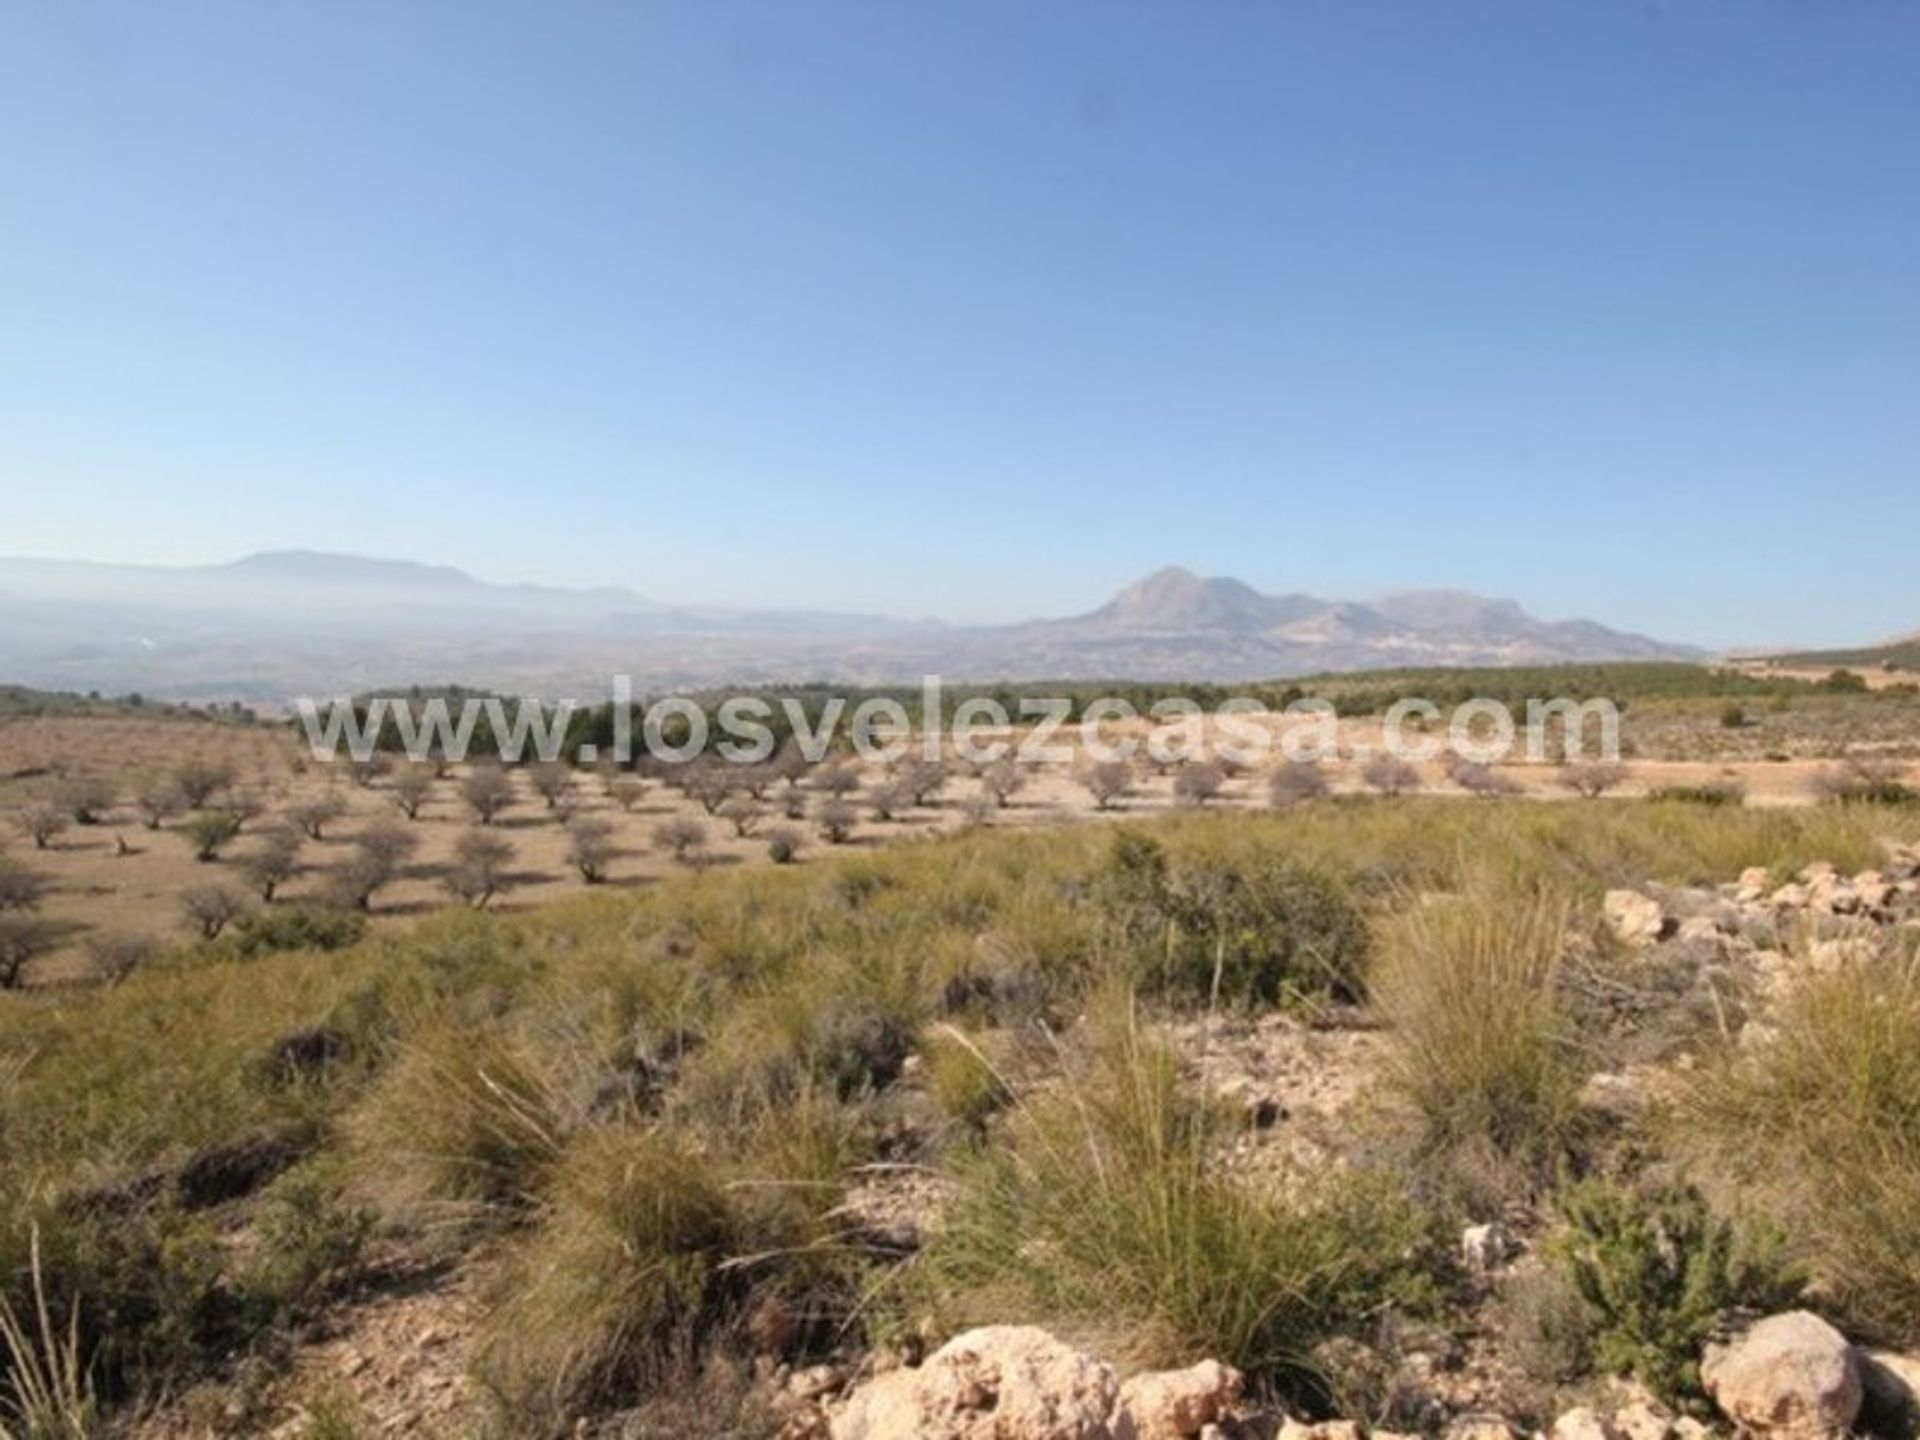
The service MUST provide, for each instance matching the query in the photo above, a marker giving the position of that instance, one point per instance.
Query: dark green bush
(1265, 932)
(297, 927)
(1656, 1269)
(308, 1237)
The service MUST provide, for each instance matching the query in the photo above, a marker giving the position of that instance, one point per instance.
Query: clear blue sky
(979, 309)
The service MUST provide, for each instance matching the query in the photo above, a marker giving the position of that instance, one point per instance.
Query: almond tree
(742, 812)
(683, 837)
(41, 823)
(85, 798)
(313, 815)
(487, 790)
(378, 853)
(1296, 780)
(836, 819)
(199, 781)
(1107, 781)
(551, 781)
(1003, 780)
(274, 861)
(1390, 775)
(158, 800)
(411, 787)
(1197, 782)
(209, 833)
(211, 908)
(590, 847)
(479, 869)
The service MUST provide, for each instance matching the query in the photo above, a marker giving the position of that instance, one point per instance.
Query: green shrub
(297, 927)
(210, 832)
(306, 1237)
(1249, 933)
(1656, 1269)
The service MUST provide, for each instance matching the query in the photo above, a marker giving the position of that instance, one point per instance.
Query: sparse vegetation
(993, 1011)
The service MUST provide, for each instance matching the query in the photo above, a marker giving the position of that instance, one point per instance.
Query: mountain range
(282, 623)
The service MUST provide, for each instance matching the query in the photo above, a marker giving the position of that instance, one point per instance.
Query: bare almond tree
(244, 805)
(159, 800)
(1197, 782)
(709, 783)
(273, 862)
(626, 791)
(379, 852)
(891, 800)
(117, 956)
(375, 767)
(682, 837)
(836, 819)
(1483, 780)
(479, 868)
(1295, 781)
(551, 781)
(42, 823)
(742, 812)
(590, 847)
(315, 813)
(211, 908)
(1107, 781)
(411, 787)
(1003, 780)
(1390, 775)
(921, 779)
(199, 781)
(487, 790)
(20, 887)
(840, 779)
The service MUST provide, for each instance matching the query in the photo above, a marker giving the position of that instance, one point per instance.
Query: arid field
(1453, 1100)
(119, 870)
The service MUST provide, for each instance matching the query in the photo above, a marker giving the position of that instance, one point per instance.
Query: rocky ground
(1719, 958)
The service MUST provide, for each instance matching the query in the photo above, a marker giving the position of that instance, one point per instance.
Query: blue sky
(980, 309)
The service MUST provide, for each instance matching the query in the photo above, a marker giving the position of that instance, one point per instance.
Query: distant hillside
(272, 626)
(1900, 653)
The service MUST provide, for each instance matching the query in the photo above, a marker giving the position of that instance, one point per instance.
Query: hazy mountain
(269, 626)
